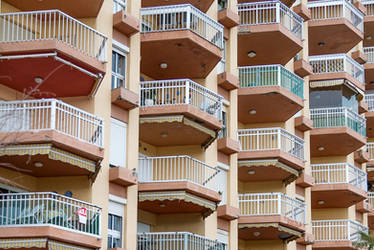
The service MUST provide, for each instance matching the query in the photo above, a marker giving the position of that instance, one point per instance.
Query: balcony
(46, 138)
(177, 184)
(264, 89)
(337, 67)
(270, 216)
(369, 23)
(336, 131)
(338, 185)
(178, 112)
(50, 54)
(340, 19)
(122, 20)
(75, 8)
(170, 33)
(286, 2)
(369, 67)
(177, 240)
(262, 23)
(45, 216)
(269, 154)
(336, 234)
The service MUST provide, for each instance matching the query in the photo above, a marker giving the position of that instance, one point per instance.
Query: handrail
(337, 230)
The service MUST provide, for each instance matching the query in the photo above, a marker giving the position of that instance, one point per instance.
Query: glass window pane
(110, 219)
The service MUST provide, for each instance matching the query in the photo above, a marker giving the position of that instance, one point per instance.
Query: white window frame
(119, 5)
(122, 50)
(119, 123)
(226, 168)
(117, 207)
(223, 236)
(224, 126)
(222, 63)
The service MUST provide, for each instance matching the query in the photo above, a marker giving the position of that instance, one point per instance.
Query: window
(118, 143)
(115, 223)
(222, 181)
(118, 69)
(119, 5)
(143, 228)
(223, 132)
(223, 236)
(222, 4)
(222, 63)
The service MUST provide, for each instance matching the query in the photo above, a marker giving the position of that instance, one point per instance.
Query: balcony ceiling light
(256, 234)
(321, 44)
(321, 148)
(38, 80)
(251, 54)
(321, 202)
(164, 134)
(163, 65)
(368, 38)
(252, 112)
(38, 164)
(251, 172)
(162, 205)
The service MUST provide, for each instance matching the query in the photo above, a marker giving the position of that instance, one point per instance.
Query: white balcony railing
(339, 173)
(369, 99)
(48, 209)
(177, 168)
(337, 230)
(177, 241)
(370, 150)
(369, 52)
(119, 5)
(336, 63)
(181, 17)
(52, 25)
(371, 199)
(178, 92)
(262, 139)
(266, 204)
(272, 12)
(338, 117)
(327, 9)
(51, 114)
(369, 4)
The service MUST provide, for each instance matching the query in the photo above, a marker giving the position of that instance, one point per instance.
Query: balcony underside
(59, 78)
(369, 76)
(286, 2)
(337, 76)
(60, 155)
(278, 155)
(50, 232)
(270, 228)
(265, 100)
(337, 245)
(369, 30)
(371, 220)
(75, 8)
(336, 195)
(369, 124)
(262, 40)
(338, 35)
(266, 170)
(187, 55)
(177, 125)
(201, 5)
(176, 197)
(335, 141)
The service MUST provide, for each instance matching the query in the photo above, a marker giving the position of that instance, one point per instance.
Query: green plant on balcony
(365, 241)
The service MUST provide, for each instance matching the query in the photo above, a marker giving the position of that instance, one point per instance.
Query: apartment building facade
(185, 124)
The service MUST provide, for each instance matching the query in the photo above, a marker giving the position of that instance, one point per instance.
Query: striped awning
(23, 243)
(52, 152)
(177, 118)
(176, 195)
(336, 82)
(54, 245)
(266, 163)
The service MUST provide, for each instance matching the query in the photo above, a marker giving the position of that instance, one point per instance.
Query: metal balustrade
(262, 139)
(369, 99)
(177, 168)
(48, 209)
(339, 173)
(369, 4)
(369, 52)
(177, 241)
(337, 230)
(336, 63)
(271, 12)
(119, 5)
(267, 204)
(371, 199)
(52, 25)
(338, 117)
(327, 9)
(271, 75)
(178, 92)
(181, 17)
(370, 150)
(51, 114)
